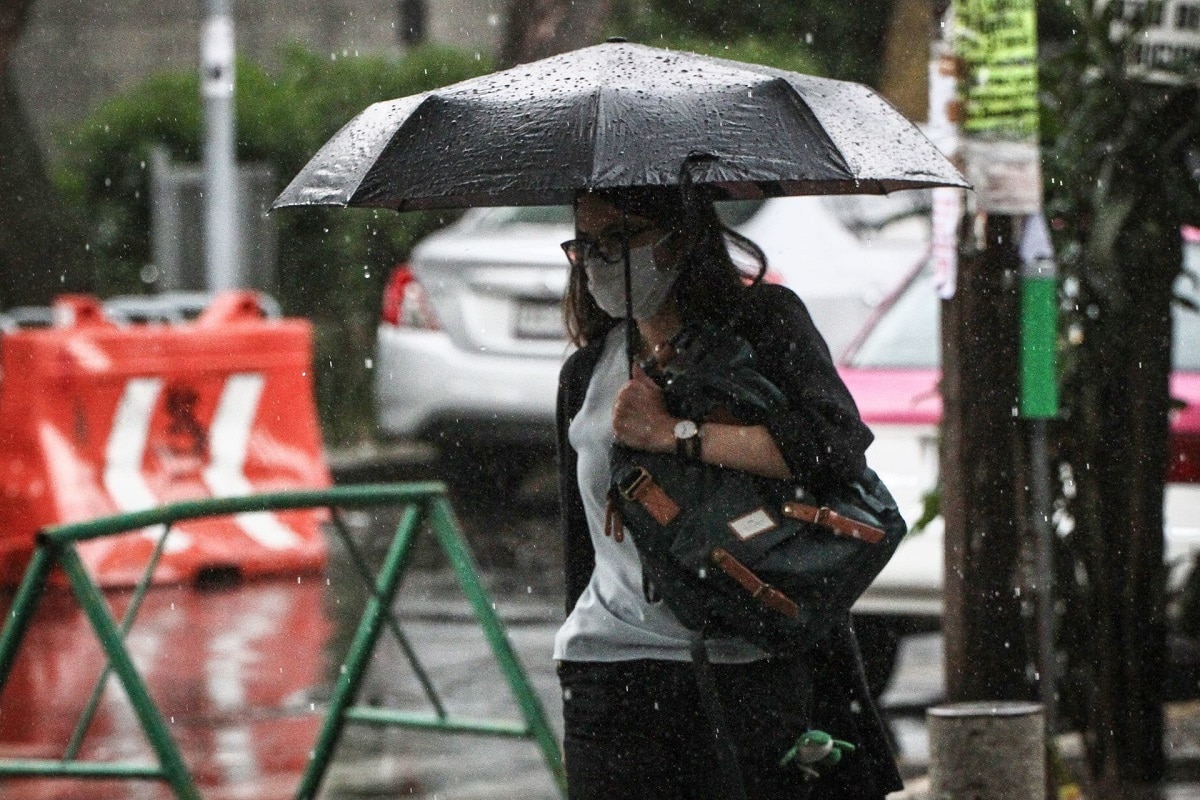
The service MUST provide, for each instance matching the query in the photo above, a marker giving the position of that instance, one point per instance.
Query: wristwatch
(687, 439)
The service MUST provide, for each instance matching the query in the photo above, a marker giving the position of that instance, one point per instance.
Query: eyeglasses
(608, 246)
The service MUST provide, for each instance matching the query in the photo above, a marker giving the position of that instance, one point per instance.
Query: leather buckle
(630, 486)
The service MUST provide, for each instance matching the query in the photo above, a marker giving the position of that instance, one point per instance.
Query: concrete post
(987, 751)
(222, 234)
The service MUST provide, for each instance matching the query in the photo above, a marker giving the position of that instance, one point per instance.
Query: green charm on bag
(816, 750)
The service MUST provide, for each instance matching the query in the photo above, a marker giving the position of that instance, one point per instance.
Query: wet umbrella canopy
(619, 115)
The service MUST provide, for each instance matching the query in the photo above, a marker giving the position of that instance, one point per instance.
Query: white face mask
(651, 286)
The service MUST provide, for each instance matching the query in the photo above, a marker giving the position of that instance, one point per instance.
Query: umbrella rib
(591, 178)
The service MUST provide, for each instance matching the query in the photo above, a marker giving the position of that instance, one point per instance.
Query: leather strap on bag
(759, 589)
(641, 488)
(614, 525)
(839, 524)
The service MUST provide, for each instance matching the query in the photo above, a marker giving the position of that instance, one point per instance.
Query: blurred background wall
(76, 53)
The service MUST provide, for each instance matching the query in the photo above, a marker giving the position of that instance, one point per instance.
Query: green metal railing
(423, 504)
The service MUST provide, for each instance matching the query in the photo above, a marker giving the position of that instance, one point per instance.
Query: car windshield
(907, 334)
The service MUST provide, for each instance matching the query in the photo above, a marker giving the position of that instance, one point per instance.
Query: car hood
(895, 396)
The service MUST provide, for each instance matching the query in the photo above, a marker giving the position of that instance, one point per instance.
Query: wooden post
(981, 442)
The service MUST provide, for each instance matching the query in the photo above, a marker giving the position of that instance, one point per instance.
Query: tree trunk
(42, 249)
(540, 28)
(981, 440)
(1127, 256)
(13, 14)
(1121, 433)
(905, 78)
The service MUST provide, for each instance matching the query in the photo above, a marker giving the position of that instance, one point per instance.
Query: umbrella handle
(631, 347)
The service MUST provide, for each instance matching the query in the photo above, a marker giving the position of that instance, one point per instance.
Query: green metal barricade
(424, 504)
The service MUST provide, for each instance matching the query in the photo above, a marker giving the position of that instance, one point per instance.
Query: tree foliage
(332, 262)
(1119, 186)
(845, 39)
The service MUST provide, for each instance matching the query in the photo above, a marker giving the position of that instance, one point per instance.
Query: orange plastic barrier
(99, 419)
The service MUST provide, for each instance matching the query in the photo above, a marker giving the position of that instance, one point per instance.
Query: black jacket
(823, 440)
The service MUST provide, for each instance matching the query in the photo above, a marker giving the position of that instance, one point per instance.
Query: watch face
(685, 429)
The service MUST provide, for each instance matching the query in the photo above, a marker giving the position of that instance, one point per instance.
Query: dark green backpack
(735, 554)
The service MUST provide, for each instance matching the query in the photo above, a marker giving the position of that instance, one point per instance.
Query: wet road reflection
(230, 671)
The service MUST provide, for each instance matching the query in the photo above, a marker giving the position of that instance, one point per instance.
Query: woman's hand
(641, 421)
(640, 417)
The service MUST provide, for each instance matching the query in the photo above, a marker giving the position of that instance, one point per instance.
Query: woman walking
(635, 725)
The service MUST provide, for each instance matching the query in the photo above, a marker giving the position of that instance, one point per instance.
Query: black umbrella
(619, 115)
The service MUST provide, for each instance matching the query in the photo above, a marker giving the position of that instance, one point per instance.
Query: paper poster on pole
(997, 43)
(945, 115)
(1007, 175)
(947, 213)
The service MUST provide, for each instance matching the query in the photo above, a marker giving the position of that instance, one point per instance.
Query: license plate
(539, 321)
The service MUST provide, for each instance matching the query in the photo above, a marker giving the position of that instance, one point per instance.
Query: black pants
(638, 729)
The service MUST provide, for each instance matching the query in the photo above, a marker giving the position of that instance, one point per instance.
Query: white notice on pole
(947, 212)
(217, 57)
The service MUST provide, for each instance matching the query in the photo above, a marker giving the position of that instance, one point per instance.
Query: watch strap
(688, 446)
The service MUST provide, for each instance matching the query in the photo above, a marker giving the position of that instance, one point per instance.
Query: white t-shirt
(613, 621)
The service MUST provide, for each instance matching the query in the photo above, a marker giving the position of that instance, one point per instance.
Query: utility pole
(222, 235)
(983, 447)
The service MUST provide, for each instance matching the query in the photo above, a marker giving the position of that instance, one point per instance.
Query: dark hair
(710, 284)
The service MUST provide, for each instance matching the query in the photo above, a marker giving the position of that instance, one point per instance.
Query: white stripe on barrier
(124, 452)
(89, 354)
(228, 441)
